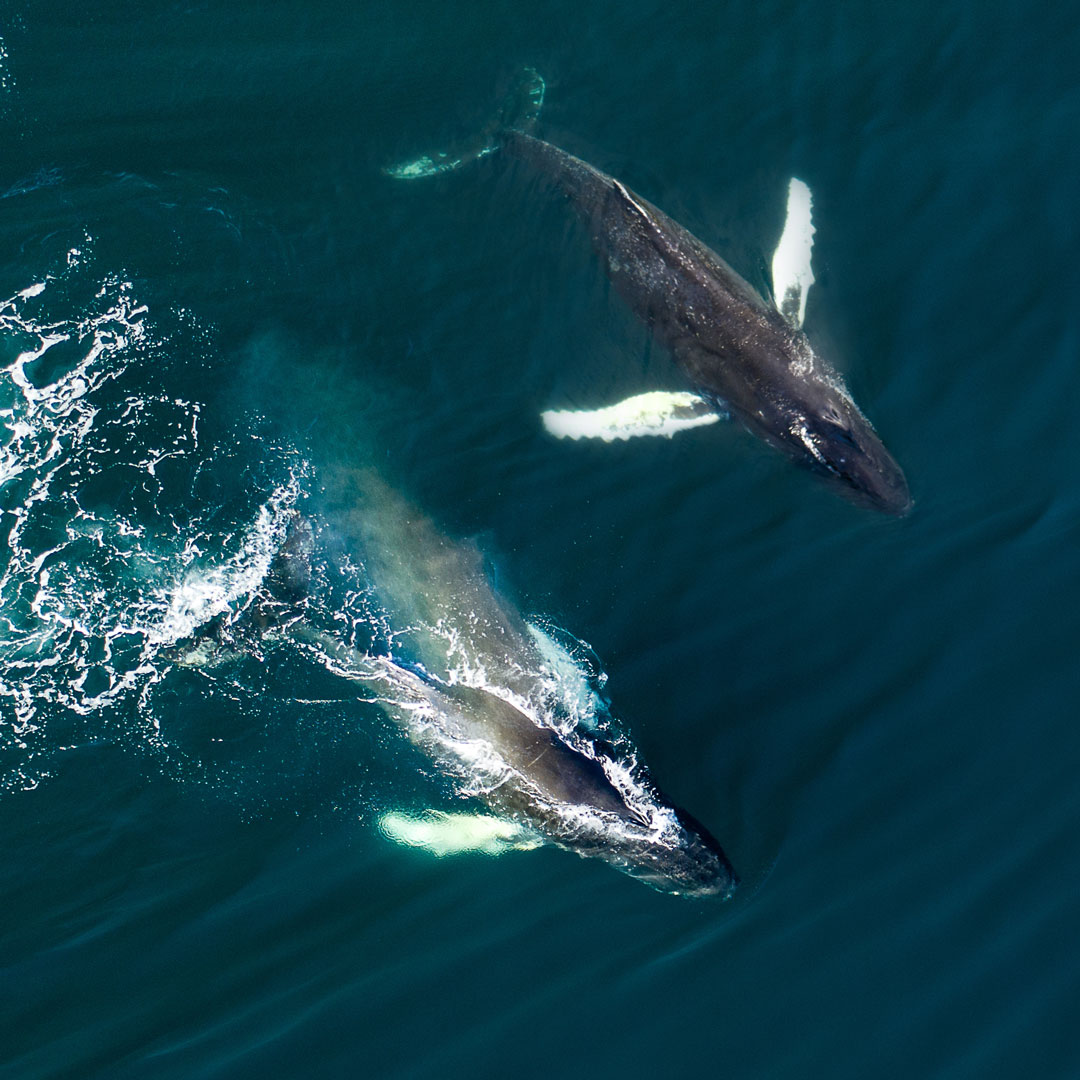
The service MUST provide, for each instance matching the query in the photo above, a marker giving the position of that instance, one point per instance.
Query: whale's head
(794, 400)
(803, 409)
(689, 863)
(629, 824)
(837, 441)
(674, 853)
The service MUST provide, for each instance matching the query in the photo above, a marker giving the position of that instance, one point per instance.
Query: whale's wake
(109, 559)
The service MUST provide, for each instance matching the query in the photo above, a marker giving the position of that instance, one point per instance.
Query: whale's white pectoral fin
(791, 271)
(455, 834)
(656, 413)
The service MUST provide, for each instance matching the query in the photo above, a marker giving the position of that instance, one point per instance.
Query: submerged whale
(742, 356)
(494, 702)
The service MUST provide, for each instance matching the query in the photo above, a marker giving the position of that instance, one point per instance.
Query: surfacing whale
(741, 355)
(493, 701)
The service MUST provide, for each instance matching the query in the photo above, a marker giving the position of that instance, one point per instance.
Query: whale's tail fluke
(518, 112)
(280, 599)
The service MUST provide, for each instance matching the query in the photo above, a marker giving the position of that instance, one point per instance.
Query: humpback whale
(741, 355)
(492, 700)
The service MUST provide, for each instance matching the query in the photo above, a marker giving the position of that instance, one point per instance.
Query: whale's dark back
(561, 773)
(726, 338)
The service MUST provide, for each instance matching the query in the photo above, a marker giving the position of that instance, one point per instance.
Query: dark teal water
(876, 717)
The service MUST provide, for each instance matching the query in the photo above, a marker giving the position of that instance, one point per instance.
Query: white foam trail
(565, 682)
(655, 413)
(90, 595)
(792, 273)
(7, 83)
(206, 591)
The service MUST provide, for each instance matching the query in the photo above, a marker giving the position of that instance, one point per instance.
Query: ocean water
(214, 305)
